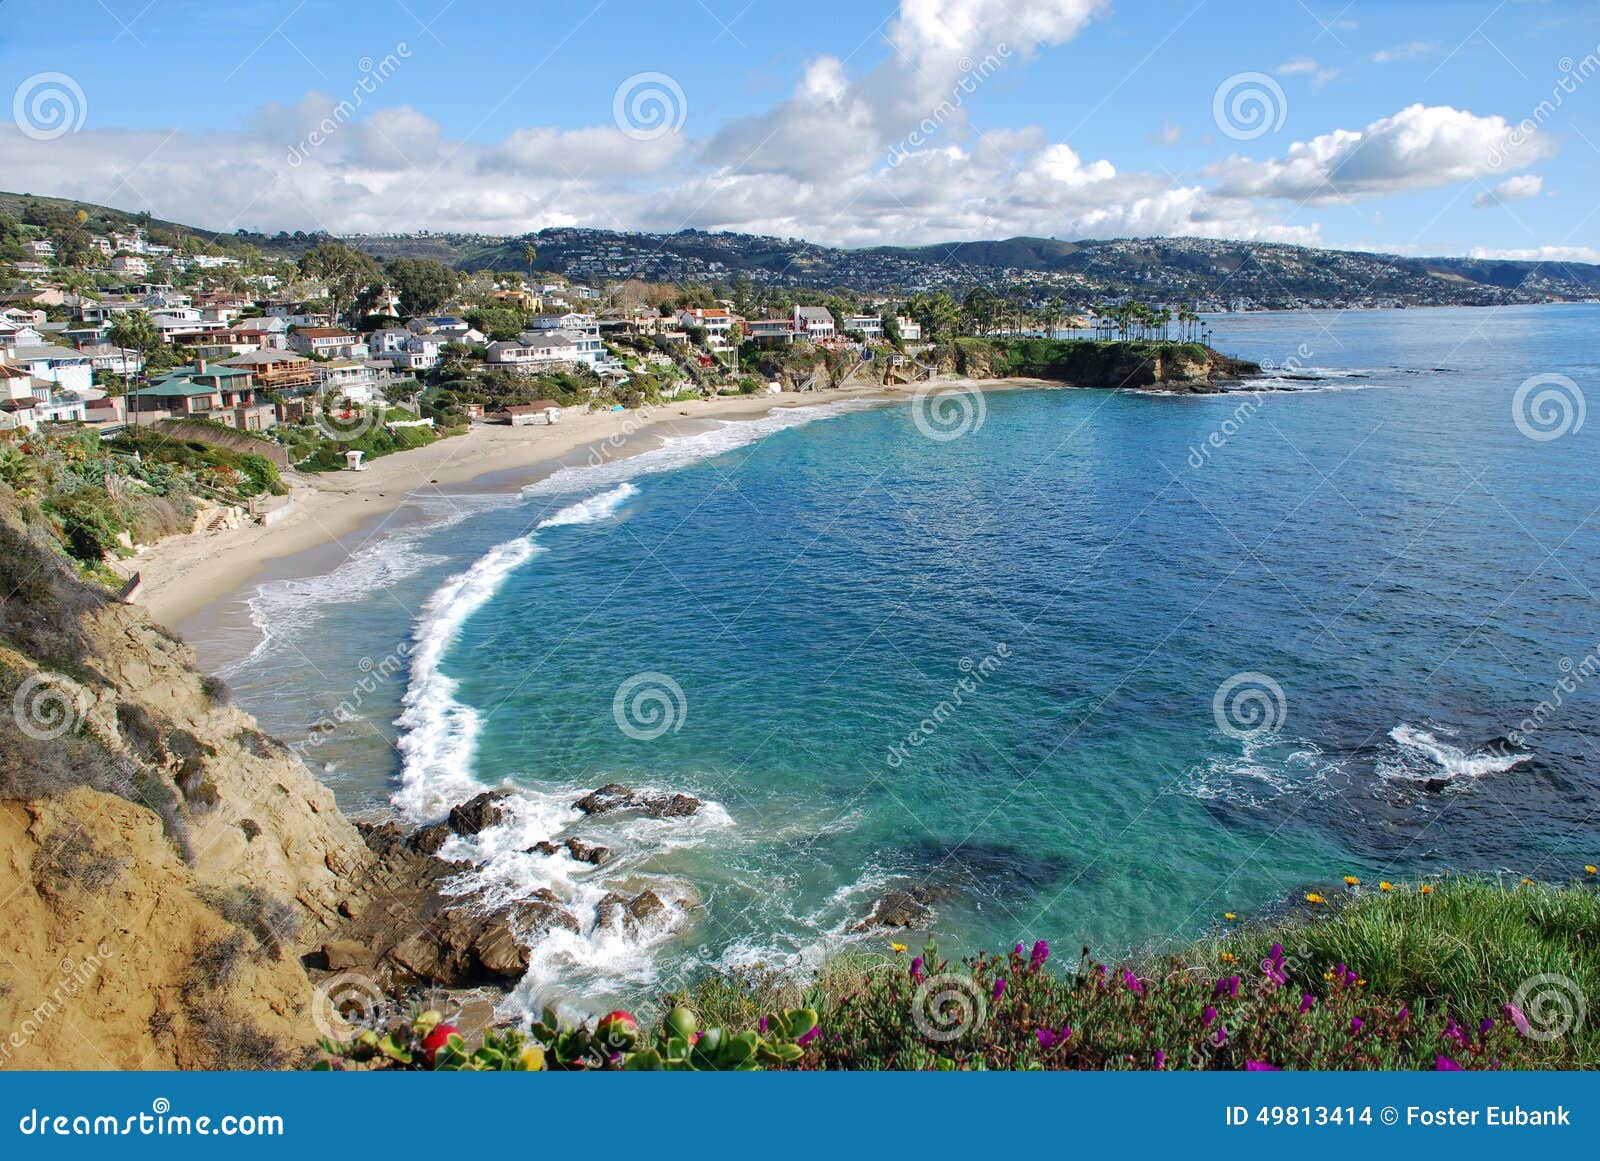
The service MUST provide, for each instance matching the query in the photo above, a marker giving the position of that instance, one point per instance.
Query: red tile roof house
(326, 342)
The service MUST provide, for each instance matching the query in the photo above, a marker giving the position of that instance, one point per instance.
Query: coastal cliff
(1179, 368)
(177, 890)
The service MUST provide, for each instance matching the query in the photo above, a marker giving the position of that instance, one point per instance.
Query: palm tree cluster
(1135, 320)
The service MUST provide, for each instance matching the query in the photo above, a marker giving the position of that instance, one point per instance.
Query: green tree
(346, 272)
(424, 286)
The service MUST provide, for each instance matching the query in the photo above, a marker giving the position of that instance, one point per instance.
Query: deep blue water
(1378, 539)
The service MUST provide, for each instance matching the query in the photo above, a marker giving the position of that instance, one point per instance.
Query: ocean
(1091, 666)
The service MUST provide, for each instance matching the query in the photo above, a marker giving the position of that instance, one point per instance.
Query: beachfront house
(276, 370)
(776, 331)
(715, 321)
(869, 326)
(814, 323)
(202, 390)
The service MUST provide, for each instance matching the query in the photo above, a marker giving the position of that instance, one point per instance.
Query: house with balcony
(715, 321)
(351, 379)
(112, 359)
(276, 370)
(323, 342)
(814, 323)
(774, 331)
(130, 264)
(216, 392)
(869, 326)
(68, 369)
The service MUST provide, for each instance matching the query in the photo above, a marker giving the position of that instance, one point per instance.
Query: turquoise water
(1374, 555)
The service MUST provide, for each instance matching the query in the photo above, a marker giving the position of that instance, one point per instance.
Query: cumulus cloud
(1512, 189)
(888, 154)
(1419, 147)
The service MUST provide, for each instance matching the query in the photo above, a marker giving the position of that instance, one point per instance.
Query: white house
(350, 379)
(326, 342)
(67, 369)
(870, 325)
(715, 321)
(814, 322)
(910, 329)
(130, 264)
(113, 359)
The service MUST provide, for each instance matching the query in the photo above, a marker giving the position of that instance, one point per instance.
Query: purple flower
(1208, 1017)
(999, 988)
(1040, 953)
(1047, 1037)
(809, 1036)
(1260, 1066)
(1221, 1036)
(1227, 986)
(1161, 1060)
(1307, 1002)
(1131, 982)
(916, 969)
(1518, 1020)
(1486, 1026)
(1454, 1031)
(1356, 1024)
(1017, 950)
(1272, 966)
(762, 1024)
(1445, 1064)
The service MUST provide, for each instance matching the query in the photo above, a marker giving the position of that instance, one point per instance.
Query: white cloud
(1305, 65)
(1168, 135)
(1540, 254)
(888, 155)
(1512, 189)
(1411, 50)
(1419, 147)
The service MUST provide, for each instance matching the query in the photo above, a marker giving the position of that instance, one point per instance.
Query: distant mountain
(1211, 272)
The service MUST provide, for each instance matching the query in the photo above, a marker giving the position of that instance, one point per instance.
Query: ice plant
(1356, 1024)
(1160, 1060)
(1307, 1002)
(916, 969)
(1591, 869)
(999, 988)
(1518, 1020)
(809, 1036)
(1040, 953)
(1131, 982)
(1445, 1064)
(1227, 986)
(1260, 1066)
(1208, 1017)
(1272, 966)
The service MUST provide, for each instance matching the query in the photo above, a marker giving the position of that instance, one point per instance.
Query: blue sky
(1389, 125)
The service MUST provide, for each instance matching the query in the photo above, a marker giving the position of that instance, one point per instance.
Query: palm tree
(529, 253)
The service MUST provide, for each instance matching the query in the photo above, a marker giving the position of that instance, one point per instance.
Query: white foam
(1421, 755)
(1265, 769)
(439, 733)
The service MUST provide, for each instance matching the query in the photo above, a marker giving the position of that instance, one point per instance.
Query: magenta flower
(1161, 1060)
(1131, 982)
(809, 1036)
(1356, 1024)
(1485, 1026)
(1017, 950)
(1047, 1037)
(1260, 1066)
(1518, 1020)
(1227, 986)
(1040, 953)
(1454, 1031)
(1208, 1017)
(1445, 1064)
(1307, 1002)
(1272, 966)
(999, 987)
(1221, 1036)
(762, 1024)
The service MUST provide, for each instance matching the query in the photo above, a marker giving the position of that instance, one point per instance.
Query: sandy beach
(183, 575)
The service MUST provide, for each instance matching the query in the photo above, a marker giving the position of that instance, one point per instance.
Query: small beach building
(546, 411)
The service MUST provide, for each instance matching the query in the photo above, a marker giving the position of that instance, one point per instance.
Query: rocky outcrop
(1179, 368)
(909, 906)
(614, 797)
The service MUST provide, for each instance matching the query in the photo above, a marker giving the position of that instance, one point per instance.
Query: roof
(174, 386)
(325, 333)
(49, 351)
(530, 408)
(262, 358)
(25, 403)
(817, 314)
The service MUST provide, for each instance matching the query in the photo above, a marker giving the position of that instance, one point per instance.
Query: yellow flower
(1228, 957)
(1328, 975)
(1591, 868)
(1386, 886)
(1229, 916)
(897, 948)
(1427, 888)
(1313, 897)
(1526, 882)
(1351, 881)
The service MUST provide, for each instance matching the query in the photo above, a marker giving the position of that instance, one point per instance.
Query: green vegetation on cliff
(1096, 363)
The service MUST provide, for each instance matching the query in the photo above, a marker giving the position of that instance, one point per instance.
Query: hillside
(1214, 272)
